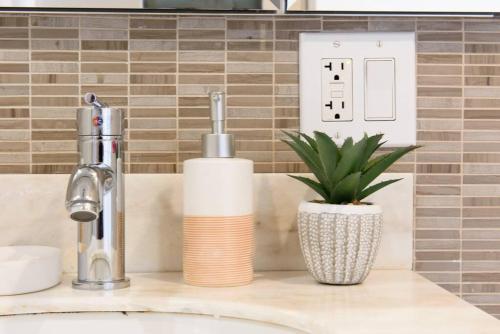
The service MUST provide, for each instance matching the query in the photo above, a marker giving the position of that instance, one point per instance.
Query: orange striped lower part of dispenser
(218, 251)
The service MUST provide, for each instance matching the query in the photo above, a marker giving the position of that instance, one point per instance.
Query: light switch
(380, 90)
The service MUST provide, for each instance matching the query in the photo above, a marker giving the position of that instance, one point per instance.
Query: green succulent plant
(343, 174)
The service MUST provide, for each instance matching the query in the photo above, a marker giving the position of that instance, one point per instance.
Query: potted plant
(340, 234)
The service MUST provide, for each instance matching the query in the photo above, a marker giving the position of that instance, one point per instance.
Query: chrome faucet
(95, 197)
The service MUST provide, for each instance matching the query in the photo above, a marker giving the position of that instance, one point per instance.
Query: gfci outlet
(357, 83)
(336, 89)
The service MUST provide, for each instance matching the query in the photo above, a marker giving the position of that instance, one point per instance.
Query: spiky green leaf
(308, 155)
(372, 144)
(328, 155)
(303, 150)
(348, 143)
(346, 190)
(318, 188)
(310, 141)
(376, 187)
(379, 167)
(348, 161)
(373, 161)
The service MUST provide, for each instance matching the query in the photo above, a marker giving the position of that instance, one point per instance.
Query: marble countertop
(390, 301)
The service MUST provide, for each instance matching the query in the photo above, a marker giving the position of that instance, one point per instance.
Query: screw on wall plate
(337, 135)
(379, 44)
(336, 44)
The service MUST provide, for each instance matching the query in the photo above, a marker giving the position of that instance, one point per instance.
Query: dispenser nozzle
(217, 144)
(217, 112)
(91, 98)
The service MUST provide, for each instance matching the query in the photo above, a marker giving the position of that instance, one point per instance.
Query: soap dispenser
(218, 245)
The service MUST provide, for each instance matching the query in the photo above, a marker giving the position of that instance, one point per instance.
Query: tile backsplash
(160, 68)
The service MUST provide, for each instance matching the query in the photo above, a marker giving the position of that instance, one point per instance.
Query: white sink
(133, 323)
(26, 269)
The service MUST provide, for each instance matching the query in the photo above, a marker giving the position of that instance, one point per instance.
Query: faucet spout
(85, 192)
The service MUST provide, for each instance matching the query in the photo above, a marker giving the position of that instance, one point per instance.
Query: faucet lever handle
(93, 100)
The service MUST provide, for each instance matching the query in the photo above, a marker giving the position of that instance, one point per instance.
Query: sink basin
(133, 323)
(26, 269)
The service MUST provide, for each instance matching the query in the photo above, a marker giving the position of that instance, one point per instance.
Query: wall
(160, 69)
(153, 227)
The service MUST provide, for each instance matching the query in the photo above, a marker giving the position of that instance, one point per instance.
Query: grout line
(273, 115)
(79, 74)
(462, 164)
(414, 227)
(225, 84)
(127, 153)
(30, 109)
(177, 114)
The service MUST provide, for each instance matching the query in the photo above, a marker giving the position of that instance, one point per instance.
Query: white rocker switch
(380, 89)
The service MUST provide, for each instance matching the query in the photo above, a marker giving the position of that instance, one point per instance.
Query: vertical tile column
(153, 127)
(250, 88)
(286, 91)
(439, 131)
(202, 48)
(104, 59)
(14, 94)
(54, 92)
(481, 163)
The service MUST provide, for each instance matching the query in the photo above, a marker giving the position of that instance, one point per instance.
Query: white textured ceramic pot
(339, 242)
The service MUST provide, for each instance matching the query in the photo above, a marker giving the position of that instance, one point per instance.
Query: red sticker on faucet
(97, 121)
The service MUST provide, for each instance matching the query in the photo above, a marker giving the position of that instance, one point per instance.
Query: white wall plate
(357, 83)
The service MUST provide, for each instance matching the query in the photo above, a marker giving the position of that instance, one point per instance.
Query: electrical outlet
(336, 89)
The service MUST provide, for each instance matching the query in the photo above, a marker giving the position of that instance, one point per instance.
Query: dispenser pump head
(217, 144)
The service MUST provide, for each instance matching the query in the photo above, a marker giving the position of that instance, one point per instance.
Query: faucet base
(88, 285)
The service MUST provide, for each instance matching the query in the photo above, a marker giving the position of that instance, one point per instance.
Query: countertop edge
(290, 299)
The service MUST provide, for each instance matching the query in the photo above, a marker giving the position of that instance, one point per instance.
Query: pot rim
(313, 207)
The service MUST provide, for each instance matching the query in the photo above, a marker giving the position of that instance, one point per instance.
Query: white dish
(26, 269)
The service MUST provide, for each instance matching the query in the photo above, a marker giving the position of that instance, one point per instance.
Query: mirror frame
(395, 7)
(121, 6)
